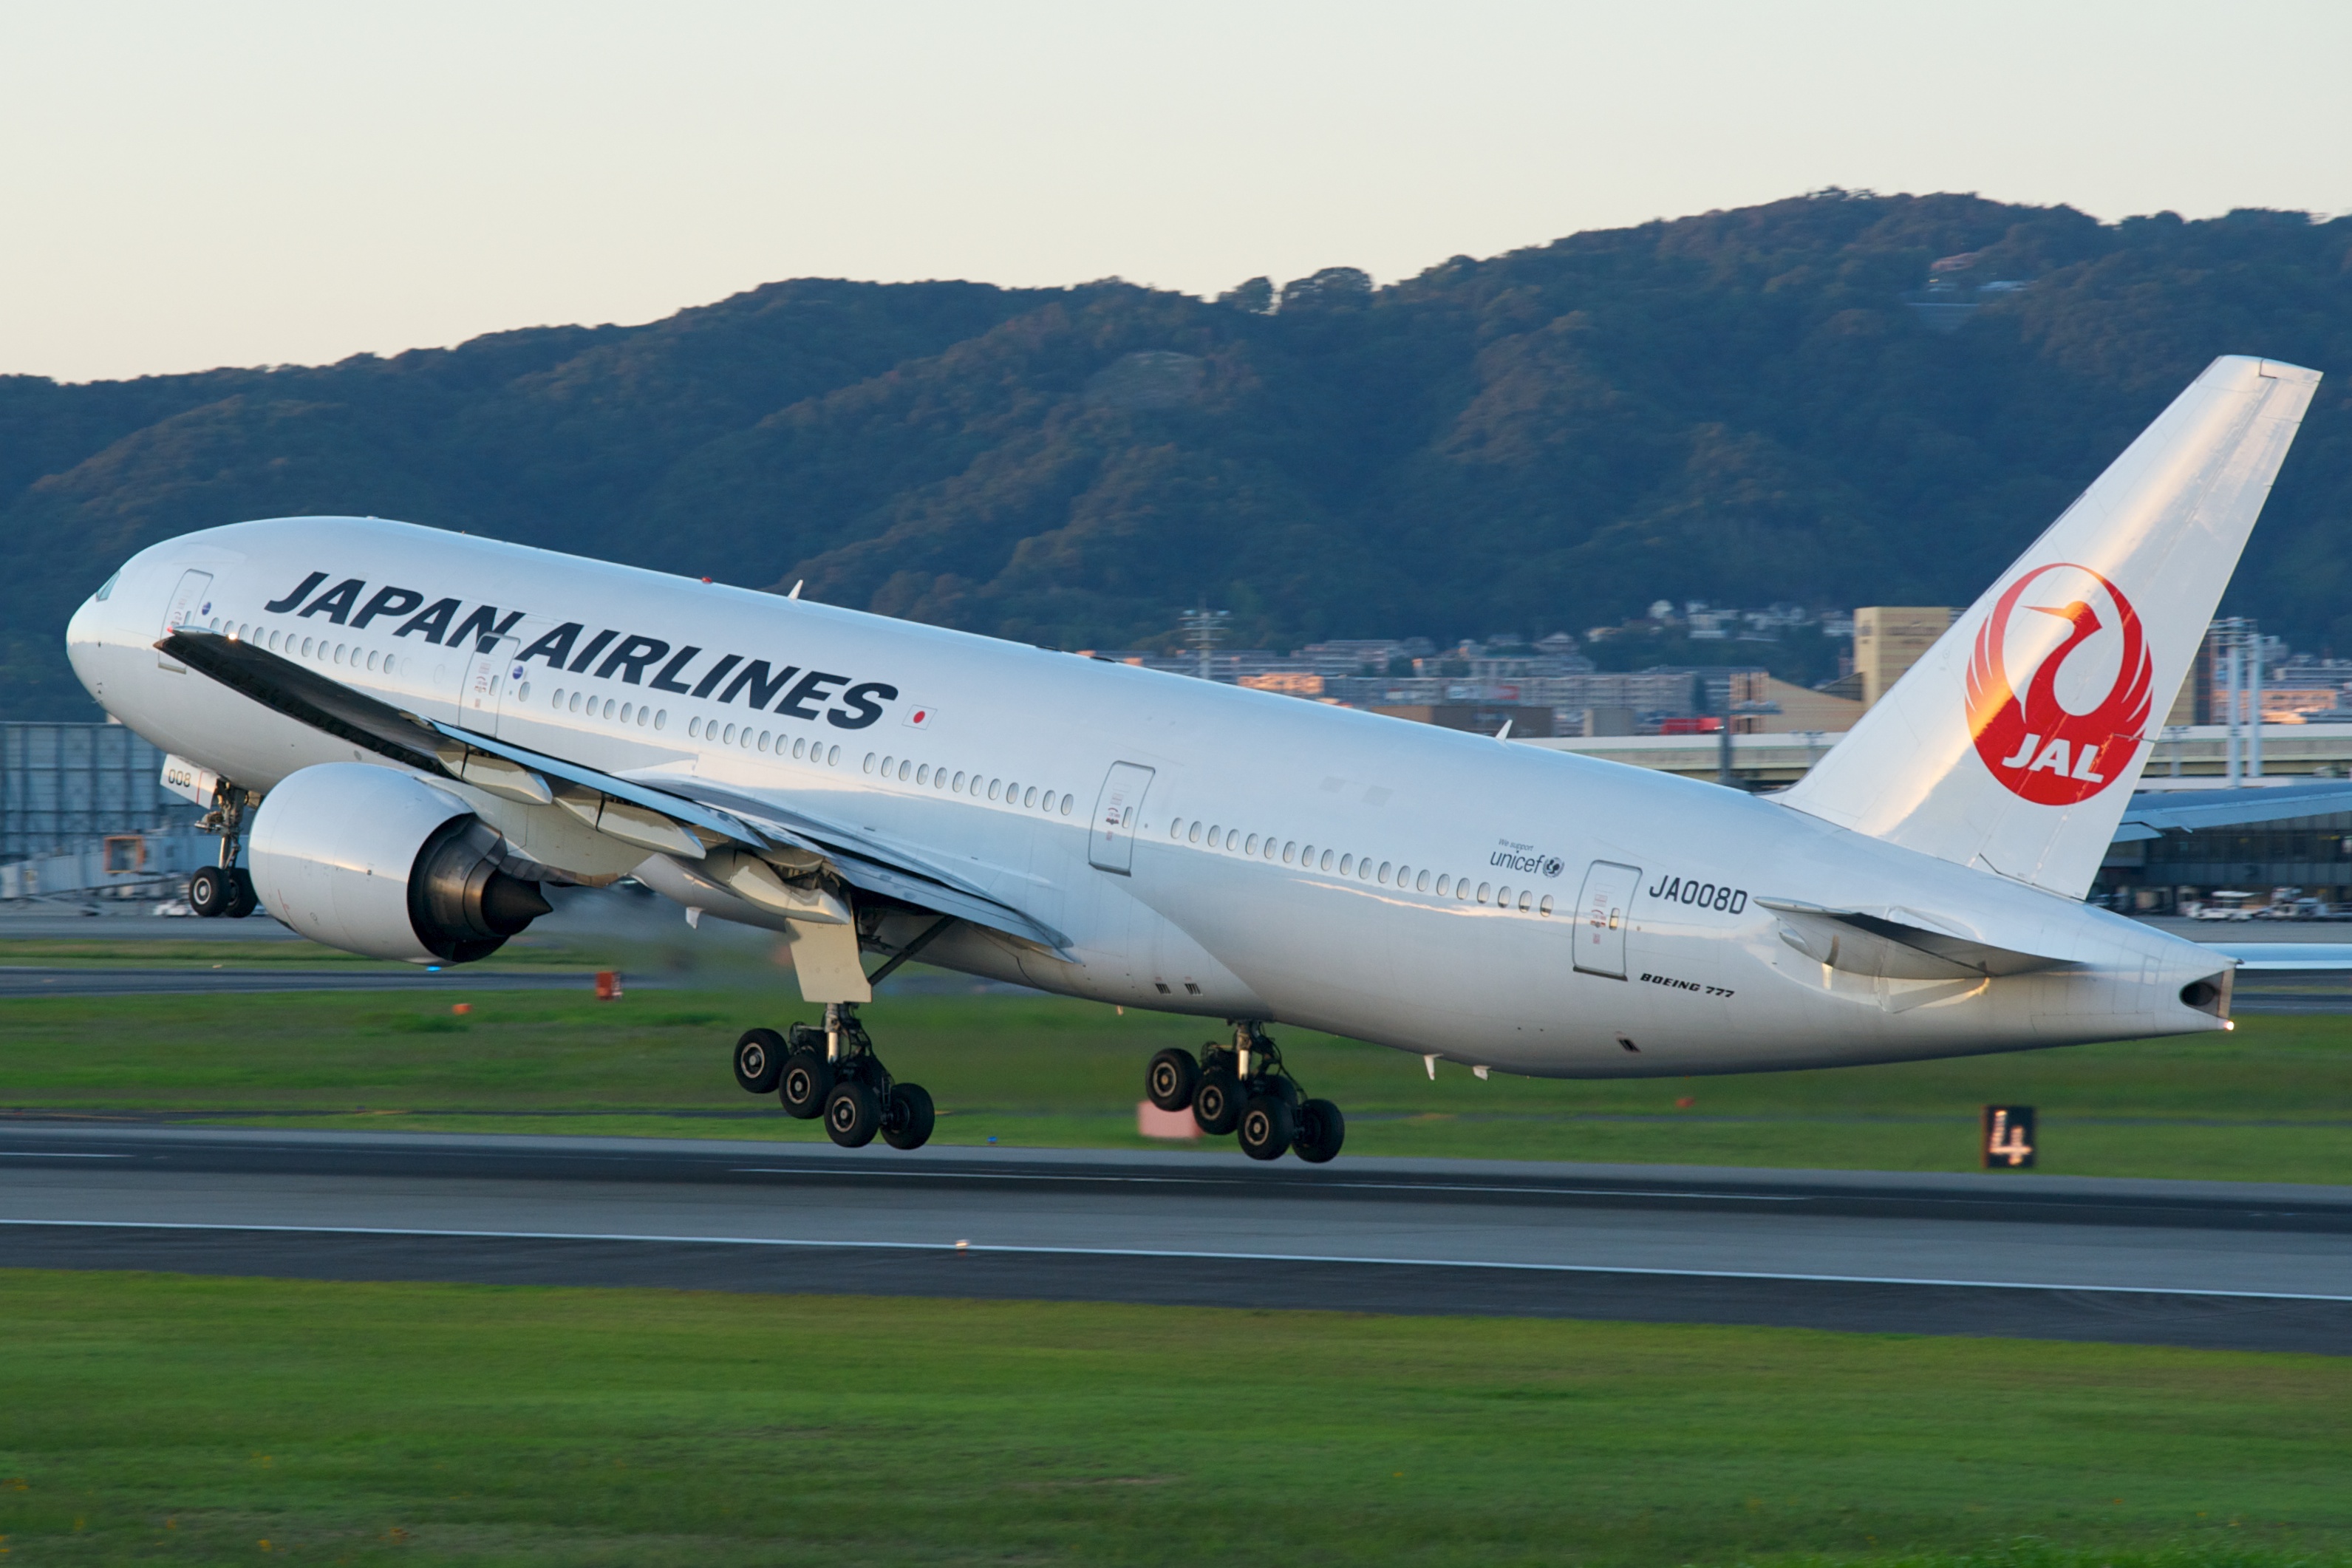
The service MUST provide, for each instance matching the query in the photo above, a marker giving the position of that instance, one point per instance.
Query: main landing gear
(225, 890)
(1244, 1089)
(831, 1072)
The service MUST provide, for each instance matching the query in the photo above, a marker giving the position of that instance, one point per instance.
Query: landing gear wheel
(208, 891)
(906, 1122)
(242, 901)
(1268, 1127)
(1217, 1101)
(1170, 1079)
(759, 1061)
(805, 1081)
(851, 1116)
(1321, 1131)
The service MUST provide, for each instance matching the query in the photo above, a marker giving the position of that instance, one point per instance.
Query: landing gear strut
(225, 889)
(831, 1072)
(1244, 1089)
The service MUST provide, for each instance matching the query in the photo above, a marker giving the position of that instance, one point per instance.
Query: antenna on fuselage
(796, 588)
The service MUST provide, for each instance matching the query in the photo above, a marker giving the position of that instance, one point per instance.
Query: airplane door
(1110, 844)
(1600, 918)
(187, 604)
(489, 681)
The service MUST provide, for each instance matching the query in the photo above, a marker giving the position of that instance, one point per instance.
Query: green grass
(191, 1420)
(2270, 1101)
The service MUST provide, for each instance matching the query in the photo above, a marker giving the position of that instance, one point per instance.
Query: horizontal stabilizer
(2285, 957)
(1894, 944)
(2153, 813)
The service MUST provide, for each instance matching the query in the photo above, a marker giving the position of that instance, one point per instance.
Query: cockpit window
(108, 586)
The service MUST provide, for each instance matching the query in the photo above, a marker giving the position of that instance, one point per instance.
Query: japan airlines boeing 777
(424, 728)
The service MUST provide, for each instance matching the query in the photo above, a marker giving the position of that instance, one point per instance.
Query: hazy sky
(245, 183)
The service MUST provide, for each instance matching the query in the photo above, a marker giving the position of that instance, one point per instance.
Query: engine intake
(383, 863)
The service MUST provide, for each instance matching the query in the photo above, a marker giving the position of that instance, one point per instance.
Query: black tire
(803, 1084)
(907, 1122)
(760, 1061)
(1321, 1131)
(851, 1116)
(1217, 1101)
(1266, 1127)
(208, 891)
(1170, 1078)
(242, 900)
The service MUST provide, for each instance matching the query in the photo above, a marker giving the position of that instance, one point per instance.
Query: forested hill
(1740, 408)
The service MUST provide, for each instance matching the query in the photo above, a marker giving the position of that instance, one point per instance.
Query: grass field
(2271, 1101)
(194, 1420)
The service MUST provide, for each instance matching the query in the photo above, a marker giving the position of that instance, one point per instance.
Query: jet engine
(383, 863)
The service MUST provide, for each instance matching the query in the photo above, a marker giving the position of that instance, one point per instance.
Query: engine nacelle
(379, 862)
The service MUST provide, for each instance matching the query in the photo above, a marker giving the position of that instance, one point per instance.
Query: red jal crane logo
(2042, 750)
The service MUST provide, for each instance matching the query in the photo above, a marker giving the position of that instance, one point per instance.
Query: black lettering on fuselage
(864, 704)
(588, 655)
(280, 606)
(432, 622)
(813, 687)
(631, 658)
(387, 602)
(710, 683)
(666, 678)
(755, 677)
(484, 626)
(554, 647)
(336, 602)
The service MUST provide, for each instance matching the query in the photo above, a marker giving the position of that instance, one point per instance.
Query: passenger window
(958, 786)
(1326, 862)
(1250, 847)
(904, 768)
(1544, 908)
(1526, 897)
(1484, 889)
(833, 758)
(661, 717)
(1193, 834)
(1420, 883)
(1384, 874)
(729, 738)
(869, 762)
(1289, 850)
(800, 748)
(994, 787)
(1346, 861)
(923, 773)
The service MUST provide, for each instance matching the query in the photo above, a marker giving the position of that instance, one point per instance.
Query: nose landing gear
(1244, 1089)
(833, 1073)
(225, 890)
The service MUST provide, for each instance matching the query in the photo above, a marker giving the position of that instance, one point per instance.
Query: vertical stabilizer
(2014, 743)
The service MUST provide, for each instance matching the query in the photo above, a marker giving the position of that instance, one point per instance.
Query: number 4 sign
(2007, 1140)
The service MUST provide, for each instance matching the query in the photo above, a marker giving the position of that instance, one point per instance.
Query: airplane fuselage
(1279, 859)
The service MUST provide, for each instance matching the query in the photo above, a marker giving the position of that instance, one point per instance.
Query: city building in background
(1888, 639)
(83, 812)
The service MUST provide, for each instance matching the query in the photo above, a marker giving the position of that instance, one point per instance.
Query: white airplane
(428, 728)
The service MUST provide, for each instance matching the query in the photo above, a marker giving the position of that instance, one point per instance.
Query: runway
(18, 980)
(2205, 1264)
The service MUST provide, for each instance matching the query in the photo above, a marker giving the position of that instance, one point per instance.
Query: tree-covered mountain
(1743, 407)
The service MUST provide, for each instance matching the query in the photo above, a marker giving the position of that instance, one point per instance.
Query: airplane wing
(2154, 812)
(1895, 944)
(2287, 957)
(675, 816)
